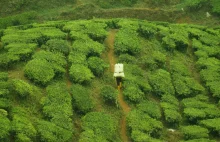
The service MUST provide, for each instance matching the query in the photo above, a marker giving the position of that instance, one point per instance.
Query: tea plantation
(56, 84)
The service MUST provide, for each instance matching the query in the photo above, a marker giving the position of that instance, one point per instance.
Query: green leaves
(127, 41)
(194, 132)
(99, 123)
(97, 65)
(22, 88)
(160, 80)
(4, 125)
(80, 73)
(40, 71)
(109, 93)
(81, 98)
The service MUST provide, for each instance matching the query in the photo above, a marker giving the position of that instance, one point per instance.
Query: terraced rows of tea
(57, 85)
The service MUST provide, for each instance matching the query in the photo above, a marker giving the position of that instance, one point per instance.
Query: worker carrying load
(119, 73)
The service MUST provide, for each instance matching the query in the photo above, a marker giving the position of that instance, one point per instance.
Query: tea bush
(80, 73)
(99, 123)
(57, 106)
(194, 132)
(40, 71)
(81, 99)
(5, 125)
(97, 65)
(109, 94)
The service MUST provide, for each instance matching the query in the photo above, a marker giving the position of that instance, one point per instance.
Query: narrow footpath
(124, 106)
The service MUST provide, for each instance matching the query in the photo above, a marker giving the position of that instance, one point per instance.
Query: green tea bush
(170, 106)
(22, 88)
(133, 93)
(7, 60)
(135, 76)
(154, 61)
(139, 121)
(186, 86)
(109, 94)
(56, 60)
(179, 68)
(88, 47)
(40, 71)
(148, 30)
(80, 73)
(3, 76)
(151, 108)
(99, 123)
(196, 109)
(161, 83)
(194, 132)
(57, 105)
(96, 30)
(50, 132)
(211, 124)
(4, 102)
(126, 58)
(77, 58)
(4, 125)
(21, 126)
(81, 98)
(127, 41)
(56, 45)
(97, 65)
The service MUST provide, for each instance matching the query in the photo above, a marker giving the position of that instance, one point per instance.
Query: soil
(124, 106)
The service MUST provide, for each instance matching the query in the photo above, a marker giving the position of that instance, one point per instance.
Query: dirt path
(124, 106)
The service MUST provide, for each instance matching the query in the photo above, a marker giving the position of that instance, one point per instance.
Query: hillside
(56, 82)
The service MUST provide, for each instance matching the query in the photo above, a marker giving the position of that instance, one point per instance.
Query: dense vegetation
(55, 84)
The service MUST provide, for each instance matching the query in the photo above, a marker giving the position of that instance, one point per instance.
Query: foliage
(199, 140)
(215, 6)
(97, 65)
(186, 86)
(3, 76)
(19, 19)
(154, 61)
(99, 123)
(170, 107)
(196, 109)
(50, 132)
(135, 76)
(109, 93)
(40, 71)
(77, 58)
(195, 4)
(148, 30)
(56, 60)
(142, 122)
(81, 99)
(22, 88)
(56, 45)
(194, 132)
(88, 47)
(127, 41)
(151, 108)
(212, 124)
(23, 50)
(179, 68)
(161, 83)
(4, 125)
(80, 73)
(57, 106)
(126, 58)
(133, 93)
(22, 126)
